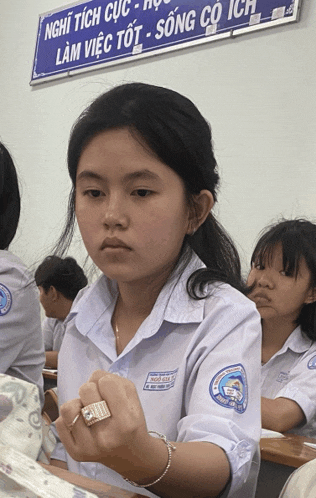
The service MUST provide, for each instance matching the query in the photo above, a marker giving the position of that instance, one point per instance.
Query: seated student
(21, 340)
(177, 343)
(283, 280)
(59, 281)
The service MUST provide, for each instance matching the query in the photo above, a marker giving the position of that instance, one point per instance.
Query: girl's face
(276, 294)
(131, 208)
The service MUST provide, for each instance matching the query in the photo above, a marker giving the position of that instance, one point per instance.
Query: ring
(70, 426)
(95, 412)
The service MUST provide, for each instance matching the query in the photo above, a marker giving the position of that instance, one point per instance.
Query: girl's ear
(203, 203)
(311, 296)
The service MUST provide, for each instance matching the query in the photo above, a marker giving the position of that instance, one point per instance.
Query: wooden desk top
(49, 374)
(99, 488)
(288, 450)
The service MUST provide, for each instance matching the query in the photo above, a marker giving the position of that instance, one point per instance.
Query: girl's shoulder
(9, 261)
(222, 296)
(227, 293)
(13, 271)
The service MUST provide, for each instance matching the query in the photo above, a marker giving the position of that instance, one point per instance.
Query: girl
(21, 341)
(178, 346)
(283, 280)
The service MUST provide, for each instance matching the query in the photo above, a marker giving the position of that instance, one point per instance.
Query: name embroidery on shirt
(229, 388)
(282, 377)
(312, 363)
(160, 381)
(5, 300)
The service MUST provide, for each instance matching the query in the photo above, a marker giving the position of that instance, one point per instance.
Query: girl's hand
(114, 441)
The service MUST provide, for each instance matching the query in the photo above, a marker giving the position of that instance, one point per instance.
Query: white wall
(258, 92)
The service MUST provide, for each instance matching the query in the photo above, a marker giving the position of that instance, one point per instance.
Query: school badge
(5, 300)
(229, 388)
(312, 363)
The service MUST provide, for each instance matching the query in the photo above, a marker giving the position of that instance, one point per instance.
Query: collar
(95, 304)
(92, 303)
(297, 341)
(174, 304)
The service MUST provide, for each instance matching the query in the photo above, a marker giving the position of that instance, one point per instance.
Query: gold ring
(70, 426)
(95, 412)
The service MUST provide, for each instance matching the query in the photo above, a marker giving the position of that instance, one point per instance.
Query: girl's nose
(115, 214)
(265, 280)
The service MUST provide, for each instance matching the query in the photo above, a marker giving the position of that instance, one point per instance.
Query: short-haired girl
(177, 343)
(283, 280)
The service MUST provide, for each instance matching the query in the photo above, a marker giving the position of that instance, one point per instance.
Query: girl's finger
(70, 423)
(97, 375)
(89, 393)
(121, 397)
(113, 393)
(69, 411)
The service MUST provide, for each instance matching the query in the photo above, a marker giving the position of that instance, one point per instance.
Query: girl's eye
(93, 193)
(142, 192)
(285, 273)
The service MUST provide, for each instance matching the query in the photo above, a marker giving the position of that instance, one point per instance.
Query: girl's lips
(260, 299)
(114, 243)
(260, 296)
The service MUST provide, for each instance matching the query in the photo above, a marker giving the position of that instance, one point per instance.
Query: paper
(311, 445)
(270, 434)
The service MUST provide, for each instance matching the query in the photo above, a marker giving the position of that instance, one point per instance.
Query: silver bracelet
(170, 447)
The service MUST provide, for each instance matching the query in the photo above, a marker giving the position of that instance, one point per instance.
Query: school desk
(49, 373)
(279, 458)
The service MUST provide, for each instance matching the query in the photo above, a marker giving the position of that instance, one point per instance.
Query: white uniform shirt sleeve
(301, 385)
(48, 333)
(235, 428)
(21, 342)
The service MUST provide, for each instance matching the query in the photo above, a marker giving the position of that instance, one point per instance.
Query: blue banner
(89, 34)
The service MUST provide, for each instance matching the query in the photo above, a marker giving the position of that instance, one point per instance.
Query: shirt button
(241, 452)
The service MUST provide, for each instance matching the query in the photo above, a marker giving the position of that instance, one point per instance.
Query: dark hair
(9, 198)
(174, 129)
(64, 274)
(298, 240)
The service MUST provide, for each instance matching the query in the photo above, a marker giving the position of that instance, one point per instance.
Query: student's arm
(121, 442)
(51, 359)
(294, 404)
(58, 463)
(281, 414)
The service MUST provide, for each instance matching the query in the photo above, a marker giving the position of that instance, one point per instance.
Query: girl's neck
(276, 332)
(135, 300)
(138, 298)
(133, 305)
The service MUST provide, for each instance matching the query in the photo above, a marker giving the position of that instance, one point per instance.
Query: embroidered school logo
(282, 377)
(312, 363)
(160, 381)
(229, 388)
(5, 300)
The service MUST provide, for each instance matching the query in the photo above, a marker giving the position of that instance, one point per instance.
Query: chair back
(50, 410)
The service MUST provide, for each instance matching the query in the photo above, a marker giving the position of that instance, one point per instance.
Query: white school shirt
(21, 341)
(291, 373)
(53, 332)
(195, 364)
